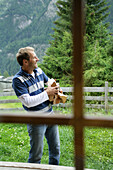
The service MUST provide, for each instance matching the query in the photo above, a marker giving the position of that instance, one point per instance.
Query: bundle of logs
(58, 98)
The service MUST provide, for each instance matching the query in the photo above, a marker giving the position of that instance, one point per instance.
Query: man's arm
(31, 101)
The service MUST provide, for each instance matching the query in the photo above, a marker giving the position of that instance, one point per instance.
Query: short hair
(23, 53)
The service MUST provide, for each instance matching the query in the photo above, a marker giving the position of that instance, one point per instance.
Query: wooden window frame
(78, 120)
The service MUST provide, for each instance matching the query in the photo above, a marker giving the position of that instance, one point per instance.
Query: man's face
(32, 62)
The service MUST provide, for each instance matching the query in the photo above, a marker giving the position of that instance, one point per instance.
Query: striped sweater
(30, 90)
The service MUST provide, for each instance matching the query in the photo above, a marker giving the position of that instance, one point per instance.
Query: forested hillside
(30, 23)
(98, 54)
(24, 23)
(110, 17)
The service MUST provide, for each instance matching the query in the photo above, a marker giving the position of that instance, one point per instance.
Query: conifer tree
(96, 13)
(58, 61)
(96, 40)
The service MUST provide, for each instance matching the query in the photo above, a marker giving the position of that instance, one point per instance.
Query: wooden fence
(106, 97)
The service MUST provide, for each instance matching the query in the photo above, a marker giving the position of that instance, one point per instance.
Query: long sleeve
(31, 101)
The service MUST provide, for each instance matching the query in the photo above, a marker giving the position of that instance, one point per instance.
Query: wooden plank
(110, 89)
(106, 96)
(94, 106)
(8, 90)
(94, 89)
(7, 94)
(71, 89)
(69, 97)
(67, 89)
(110, 99)
(78, 82)
(36, 118)
(98, 98)
(32, 166)
(87, 89)
(13, 109)
(97, 106)
(93, 121)
(10, 101)
(63, 105)
(103, 121)
(6, 81)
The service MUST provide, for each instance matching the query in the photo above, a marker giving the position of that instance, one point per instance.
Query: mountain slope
(28, 23)
(24, 23)
(110, 17)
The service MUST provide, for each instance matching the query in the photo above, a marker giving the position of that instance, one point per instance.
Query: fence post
(106, 96)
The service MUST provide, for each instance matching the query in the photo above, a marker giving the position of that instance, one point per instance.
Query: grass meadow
(14, 142)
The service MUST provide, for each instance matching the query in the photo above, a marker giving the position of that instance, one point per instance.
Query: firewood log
(58, 98)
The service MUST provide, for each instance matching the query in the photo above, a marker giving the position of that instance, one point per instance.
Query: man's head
(24, 53)
(27, 58)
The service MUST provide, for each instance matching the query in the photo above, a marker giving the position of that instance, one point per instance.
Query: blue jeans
(36, 133)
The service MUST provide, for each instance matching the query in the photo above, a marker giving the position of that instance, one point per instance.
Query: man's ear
(25, 61)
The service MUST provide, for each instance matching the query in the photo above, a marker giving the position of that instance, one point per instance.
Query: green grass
(9, 105)
(99, 148)
(14, 146)
(14, 143)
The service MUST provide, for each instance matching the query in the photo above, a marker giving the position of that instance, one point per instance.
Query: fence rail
(104, 97)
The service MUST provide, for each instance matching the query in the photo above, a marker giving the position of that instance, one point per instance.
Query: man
(28, 85)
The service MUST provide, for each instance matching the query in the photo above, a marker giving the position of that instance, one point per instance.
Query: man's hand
(52, 90)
